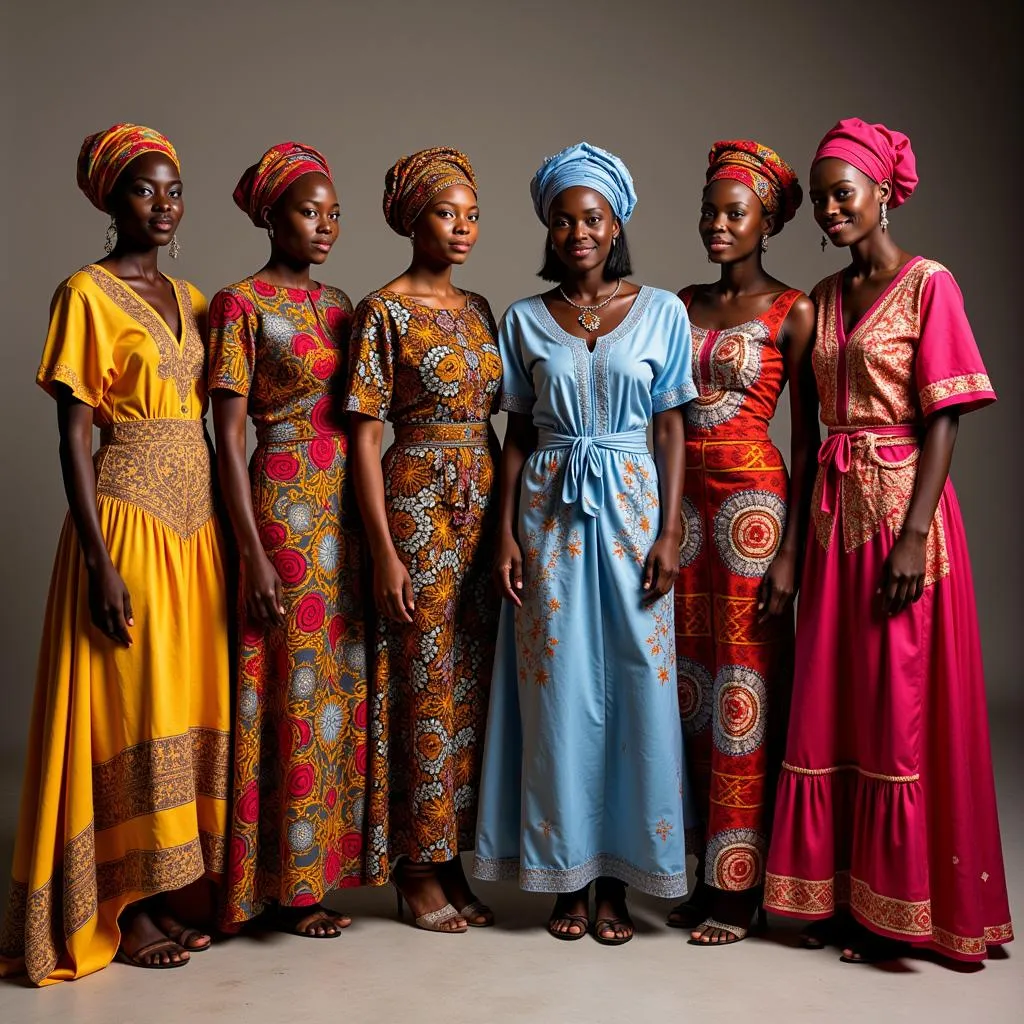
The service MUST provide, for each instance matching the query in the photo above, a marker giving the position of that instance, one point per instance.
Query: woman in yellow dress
(125, 791)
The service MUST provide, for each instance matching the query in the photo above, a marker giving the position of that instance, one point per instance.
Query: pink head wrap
(882, 154)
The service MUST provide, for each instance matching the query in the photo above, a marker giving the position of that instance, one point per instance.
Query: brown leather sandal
(137, 959)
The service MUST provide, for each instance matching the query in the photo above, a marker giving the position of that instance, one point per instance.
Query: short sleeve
(673, 380)
(232, 345)
(78, 352)
(517, 394)
(371, 362)
(948, 371)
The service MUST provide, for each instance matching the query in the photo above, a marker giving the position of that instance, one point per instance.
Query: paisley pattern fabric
(435, 374)
(733, 672)
(297, 827)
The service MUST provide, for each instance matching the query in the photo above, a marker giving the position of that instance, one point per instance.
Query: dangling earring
(412, 237)
(270, 231)
(174, 249)
(885, 217)
(824, 243)
(764, 243)
(111, 239)
(614, 240)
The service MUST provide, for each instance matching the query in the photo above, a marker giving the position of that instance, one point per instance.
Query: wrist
(672, 534)
(96, 561)
(382, 550)
(914, 532)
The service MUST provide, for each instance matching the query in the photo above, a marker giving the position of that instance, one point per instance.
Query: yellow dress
(126, 786)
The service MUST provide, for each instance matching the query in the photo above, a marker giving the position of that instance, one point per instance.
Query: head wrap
(763, 171)
(105, 155)
(883, 155)
(414, 180)
(589, 166)
(265, 182)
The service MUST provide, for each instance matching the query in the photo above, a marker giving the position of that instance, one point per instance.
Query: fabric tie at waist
(836, 453)
(153, 431)
(289, 432)
(447, 435)
(584, 475)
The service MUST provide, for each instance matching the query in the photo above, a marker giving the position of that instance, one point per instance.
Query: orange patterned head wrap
(763, 171)
(416, 179)
(105, 155)
(266, 181)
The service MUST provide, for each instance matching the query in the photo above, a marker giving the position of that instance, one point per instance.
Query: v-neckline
(179, 339)
(624, 327)
(845, 334)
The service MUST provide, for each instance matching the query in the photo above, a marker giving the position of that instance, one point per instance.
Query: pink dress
(886, 803)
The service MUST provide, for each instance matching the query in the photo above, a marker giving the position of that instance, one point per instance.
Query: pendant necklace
(588, 319)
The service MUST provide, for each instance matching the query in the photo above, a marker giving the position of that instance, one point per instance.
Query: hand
(392, 589)
(661, 568)
(261, 592)
(778, 586)
(110, 604)
(903, 573)
(508, 569)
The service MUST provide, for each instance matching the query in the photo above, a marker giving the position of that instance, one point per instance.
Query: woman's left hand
(903, 573)
(661, 568)
(778, 586)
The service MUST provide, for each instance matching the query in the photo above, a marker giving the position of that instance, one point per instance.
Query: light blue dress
(583, 766)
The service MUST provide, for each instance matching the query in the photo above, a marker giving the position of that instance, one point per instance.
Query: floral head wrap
(882, 154)
(414, 180)
(265, 182)
(105, 155)
(763, 171)
(591, 167)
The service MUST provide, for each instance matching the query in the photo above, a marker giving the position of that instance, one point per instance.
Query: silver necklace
(588, 319)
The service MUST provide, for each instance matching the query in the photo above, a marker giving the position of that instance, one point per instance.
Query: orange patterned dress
(435, 374)
(297, 825)
(734, 673)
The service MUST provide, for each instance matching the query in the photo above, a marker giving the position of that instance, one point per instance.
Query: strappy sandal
(137, 959)
(477, 909)
(300, 924)
(182, 934)
(610, 924)
(432, 920)
(582, 921)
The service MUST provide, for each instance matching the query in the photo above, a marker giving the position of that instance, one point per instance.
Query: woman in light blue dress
(583, 774)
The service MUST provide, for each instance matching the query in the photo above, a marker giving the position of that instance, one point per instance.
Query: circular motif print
(739, 710)
(748, 531)
(693, 534)
(695, 693)
(735, 859)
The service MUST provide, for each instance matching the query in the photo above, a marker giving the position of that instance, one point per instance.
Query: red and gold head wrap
(106, 154)
(265, 182)
(763, 171)
(416, 179)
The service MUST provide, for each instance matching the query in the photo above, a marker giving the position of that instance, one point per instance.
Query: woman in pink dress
(885, 822)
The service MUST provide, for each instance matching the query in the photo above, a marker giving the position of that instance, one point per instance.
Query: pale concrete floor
(381, 972)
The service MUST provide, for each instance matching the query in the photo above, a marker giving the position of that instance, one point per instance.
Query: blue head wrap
(589, 166)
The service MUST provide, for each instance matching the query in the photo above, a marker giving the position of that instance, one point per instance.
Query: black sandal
(581, 920)
(610, 923)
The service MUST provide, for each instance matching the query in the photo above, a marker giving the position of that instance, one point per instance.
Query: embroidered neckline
(640, 303)
(181, 361)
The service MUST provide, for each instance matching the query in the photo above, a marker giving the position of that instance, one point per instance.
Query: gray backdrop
(508, 82)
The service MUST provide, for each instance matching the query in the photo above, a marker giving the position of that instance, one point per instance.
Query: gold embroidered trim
(911, 919)
(874, 491)
(31, 929)
(968, 384)
(160, 465)
(183, 363)
(849, 768)
(61, 373)
(160, 774)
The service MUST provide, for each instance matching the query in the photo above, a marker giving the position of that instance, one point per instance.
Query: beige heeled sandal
(432, 920)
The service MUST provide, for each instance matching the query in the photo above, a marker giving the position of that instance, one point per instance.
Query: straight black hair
(619, 264)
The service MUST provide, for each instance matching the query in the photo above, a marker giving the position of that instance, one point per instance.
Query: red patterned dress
(300, 728)
(733, 672)
(435, 374)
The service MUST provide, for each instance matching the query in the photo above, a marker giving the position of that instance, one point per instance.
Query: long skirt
(886, 802)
